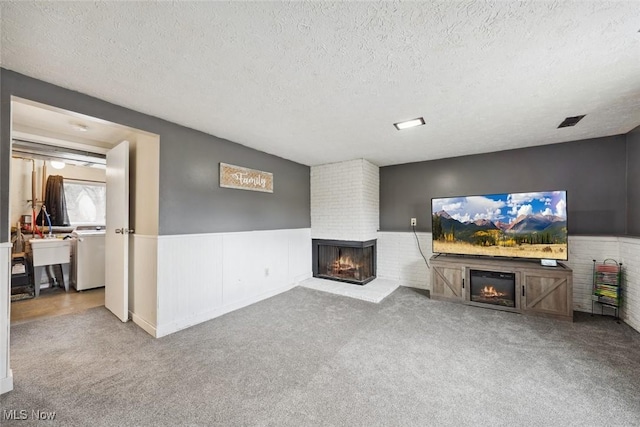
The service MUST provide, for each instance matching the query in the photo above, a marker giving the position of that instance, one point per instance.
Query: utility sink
(45, 252)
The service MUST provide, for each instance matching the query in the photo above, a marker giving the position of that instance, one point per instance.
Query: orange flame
(344, 264)
(490, 291)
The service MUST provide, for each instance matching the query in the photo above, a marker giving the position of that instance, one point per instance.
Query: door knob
(119, 230)
(130, 230)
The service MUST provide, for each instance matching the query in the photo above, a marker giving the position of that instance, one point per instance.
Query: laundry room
(71, 227)
(58, 215)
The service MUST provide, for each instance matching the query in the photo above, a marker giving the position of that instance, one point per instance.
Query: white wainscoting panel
(6, 377)
(189, 280)
(202, 276)
(253, 263)
(299, 255)
(143, 276)
(630, 255)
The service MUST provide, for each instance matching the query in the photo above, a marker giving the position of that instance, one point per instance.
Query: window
(86, 202)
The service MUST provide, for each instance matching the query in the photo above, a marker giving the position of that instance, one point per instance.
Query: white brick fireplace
(345, 201)
(345, 206)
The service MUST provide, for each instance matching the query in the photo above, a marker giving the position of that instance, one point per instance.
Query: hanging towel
(55, 202)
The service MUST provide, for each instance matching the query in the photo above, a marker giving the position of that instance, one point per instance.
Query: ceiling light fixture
(79, 127)
(409, 123)
(57, 164)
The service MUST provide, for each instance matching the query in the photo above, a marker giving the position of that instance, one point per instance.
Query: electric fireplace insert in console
(493, 287)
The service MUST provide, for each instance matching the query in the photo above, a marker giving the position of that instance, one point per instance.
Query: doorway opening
(52, 142)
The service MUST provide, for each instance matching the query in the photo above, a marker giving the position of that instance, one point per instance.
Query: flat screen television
(514, 225)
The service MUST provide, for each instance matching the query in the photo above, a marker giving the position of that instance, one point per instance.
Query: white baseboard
(178, 325)
(301, 278)
(6, 384)
(146, 326)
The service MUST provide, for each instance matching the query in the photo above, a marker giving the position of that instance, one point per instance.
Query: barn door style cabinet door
(547, 293)
(447, 282)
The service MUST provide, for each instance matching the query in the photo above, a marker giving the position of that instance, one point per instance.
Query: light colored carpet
(307, 357)
(374, 291)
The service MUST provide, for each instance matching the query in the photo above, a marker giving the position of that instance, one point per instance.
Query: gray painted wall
(190, 190)
(633, 182)
(592, 171)
(191, 200)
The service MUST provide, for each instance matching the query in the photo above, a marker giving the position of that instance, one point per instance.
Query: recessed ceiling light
(409, 123)
(79, 127)
(571, 121)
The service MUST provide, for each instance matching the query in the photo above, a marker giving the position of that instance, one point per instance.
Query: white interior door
(116, 294)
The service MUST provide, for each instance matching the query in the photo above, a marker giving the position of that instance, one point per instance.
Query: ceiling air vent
(571, 121)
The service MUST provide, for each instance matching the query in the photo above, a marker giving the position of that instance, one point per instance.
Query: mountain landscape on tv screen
(528, 225)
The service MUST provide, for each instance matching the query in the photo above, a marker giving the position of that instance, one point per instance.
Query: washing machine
(87, 259)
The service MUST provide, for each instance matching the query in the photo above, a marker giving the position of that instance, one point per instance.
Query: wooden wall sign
(245, 179)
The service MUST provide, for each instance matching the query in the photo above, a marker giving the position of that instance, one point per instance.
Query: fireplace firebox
(493, 287)
(344, 260)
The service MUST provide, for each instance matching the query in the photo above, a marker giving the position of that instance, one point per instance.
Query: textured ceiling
(324, 82)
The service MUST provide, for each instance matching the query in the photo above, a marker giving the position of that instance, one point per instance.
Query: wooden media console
(519, 286)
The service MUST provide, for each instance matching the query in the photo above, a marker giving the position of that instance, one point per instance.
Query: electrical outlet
(266, 272)
(413, 222)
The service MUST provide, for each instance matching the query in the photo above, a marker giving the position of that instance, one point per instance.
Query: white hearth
(374, 291)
